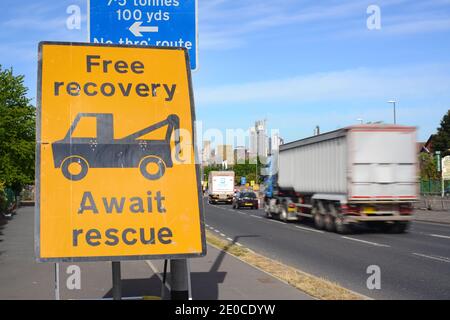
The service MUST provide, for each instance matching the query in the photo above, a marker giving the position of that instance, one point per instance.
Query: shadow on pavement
(3, 221)
(139, 287)
(205, 285)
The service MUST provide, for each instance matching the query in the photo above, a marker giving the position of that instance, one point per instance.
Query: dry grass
(314, 286)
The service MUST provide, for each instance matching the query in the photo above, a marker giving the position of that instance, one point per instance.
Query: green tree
(250, 170)
(17, 132)
(441, 141)
(208, 169)
(428, 167)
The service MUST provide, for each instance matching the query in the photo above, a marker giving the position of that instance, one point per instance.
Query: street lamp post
(395, 116)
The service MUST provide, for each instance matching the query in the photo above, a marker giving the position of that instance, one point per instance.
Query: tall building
(253, 143)
(240, 155)
(262, 141)
(206, 153)
(225, 153)
(275, 142)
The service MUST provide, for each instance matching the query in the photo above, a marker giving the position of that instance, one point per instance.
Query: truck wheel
(283, 214)
(329, 222)
(148, 166)
(399, 227)
(318, 221)
(74, 168)
(341, 227)
(267, 211)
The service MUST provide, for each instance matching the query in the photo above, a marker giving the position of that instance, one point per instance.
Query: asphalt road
(217, 276)
(415, 265)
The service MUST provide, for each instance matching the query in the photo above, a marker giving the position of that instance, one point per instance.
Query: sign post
(57, 291)
(145, 23)
(179, 279)
(445, 169)
(116, 280)
(115, 137)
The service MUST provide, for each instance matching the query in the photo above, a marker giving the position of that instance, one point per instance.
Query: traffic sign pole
(57, 294)
(116, 280)
(163, 284)
(179, 278)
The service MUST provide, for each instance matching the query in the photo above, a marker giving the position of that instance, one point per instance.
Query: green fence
(430, 187)
(10, 196)
(7, 199)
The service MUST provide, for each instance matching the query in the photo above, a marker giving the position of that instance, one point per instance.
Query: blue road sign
(243, 181)
(161, 23)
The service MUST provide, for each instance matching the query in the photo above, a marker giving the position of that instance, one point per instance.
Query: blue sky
(296, 63)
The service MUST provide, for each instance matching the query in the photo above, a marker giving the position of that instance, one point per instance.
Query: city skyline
(257, 141)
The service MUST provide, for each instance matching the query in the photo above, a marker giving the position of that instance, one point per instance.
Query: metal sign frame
(37, 234)
(197, 65)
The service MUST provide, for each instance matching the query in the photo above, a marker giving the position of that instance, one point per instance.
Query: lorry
(221, 187)
(364, 174)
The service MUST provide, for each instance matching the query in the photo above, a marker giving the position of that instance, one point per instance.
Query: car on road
(247, 199)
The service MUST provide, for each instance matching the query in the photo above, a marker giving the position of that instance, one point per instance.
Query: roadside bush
(3, 199)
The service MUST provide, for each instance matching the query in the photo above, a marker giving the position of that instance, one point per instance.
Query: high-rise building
(262, 142)
(240, 155)
(225, 153)
(275, 142)
(253, 145)
(206, 153)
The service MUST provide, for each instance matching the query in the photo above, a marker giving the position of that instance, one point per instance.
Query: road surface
(415, 265)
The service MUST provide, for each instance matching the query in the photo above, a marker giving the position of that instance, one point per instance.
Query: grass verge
(314, 286)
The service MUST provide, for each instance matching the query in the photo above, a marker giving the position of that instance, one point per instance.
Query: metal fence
(433, 187)
(7, 201)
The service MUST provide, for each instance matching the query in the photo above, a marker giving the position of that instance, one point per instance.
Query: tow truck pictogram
(103, 151)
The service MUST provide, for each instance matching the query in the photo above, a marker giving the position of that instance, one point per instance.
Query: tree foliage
(17, 132)
(428, 167)
(441, 141)
(250, 170)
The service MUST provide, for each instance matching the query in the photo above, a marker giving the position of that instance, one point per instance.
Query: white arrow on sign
(137, 30)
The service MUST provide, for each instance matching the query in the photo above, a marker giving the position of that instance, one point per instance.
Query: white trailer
(365, 173)
(221, 186)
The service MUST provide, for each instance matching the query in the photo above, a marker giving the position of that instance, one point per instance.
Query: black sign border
(37, 211)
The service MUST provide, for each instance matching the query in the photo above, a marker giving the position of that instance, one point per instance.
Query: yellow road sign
(116, 169)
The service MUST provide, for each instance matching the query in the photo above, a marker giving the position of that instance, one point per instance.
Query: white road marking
(433, 223)
(229, 239)
(215, 230)
(223, 235)
(240, 245)
(255, 216)
(276, 221)
(309, 229)
(438, 258)
(366, 242)
(439, 236)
